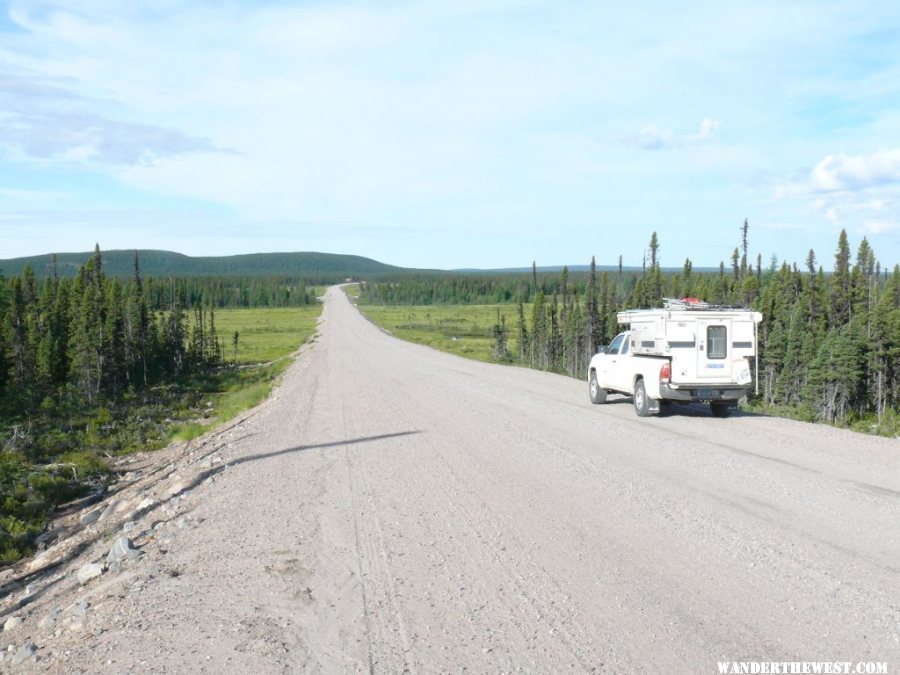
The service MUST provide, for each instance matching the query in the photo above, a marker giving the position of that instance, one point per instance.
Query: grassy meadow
(266, 338)
(464, 330)
(265, 334)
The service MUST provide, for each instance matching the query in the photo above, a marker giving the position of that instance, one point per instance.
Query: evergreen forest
(829, 342)
(93, 365)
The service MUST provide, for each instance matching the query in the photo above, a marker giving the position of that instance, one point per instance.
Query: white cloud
(656, 138)
(708, 129)
(860, 193)
(859, 172)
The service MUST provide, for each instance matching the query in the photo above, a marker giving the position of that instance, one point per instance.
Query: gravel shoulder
(391, 508)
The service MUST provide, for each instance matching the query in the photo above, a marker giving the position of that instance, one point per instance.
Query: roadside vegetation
(465, 330)
(829, 343)
(95, 367)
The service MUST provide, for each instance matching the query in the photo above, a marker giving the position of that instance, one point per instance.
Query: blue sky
(439, 134)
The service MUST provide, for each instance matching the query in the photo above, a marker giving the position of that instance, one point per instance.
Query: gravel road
(395, 509)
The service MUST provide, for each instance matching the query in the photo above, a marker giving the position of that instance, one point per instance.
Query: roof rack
(694, 304)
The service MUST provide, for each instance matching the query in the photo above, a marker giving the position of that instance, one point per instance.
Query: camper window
(716, 341)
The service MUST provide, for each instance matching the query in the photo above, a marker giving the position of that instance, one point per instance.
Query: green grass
(266, 337)
(464, 330)
(265, 334)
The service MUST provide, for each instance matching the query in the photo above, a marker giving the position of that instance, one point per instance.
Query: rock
(40, 561)
(90, 518)
(88, 572)
(79, 608)
(177, 487)
(46, 537)
(25, 652)
(12, 623)
(122, 549)
(109, 510)
(145, 505)
(128, 526)
(49, 621)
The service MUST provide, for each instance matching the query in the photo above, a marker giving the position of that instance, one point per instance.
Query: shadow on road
(333, 444)
(702, 410)
(685, 409)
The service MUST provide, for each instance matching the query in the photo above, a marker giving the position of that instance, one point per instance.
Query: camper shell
(706, 343)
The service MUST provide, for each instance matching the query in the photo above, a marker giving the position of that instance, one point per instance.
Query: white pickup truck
(685, 352)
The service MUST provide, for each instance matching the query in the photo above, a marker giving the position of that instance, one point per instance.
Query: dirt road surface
(395, 509)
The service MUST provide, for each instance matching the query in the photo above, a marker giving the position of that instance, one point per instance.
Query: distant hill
(313, 266)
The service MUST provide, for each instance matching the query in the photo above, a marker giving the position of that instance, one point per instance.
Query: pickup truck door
(622, 370)
(610, 365)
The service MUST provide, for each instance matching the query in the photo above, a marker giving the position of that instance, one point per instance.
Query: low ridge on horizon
(155, 262)
(313, 264)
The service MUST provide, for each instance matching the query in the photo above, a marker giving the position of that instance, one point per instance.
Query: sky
(465, 134)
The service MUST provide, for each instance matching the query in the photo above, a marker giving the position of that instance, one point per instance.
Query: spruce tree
(591, 324)
(20, 351)
(85, 339)
(840, 297)
(601, 330)
(522, 341)
(539, 331)
(654, 284)
(4, 362)
(744, 248)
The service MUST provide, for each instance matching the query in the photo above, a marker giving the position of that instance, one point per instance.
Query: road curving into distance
(393, 508)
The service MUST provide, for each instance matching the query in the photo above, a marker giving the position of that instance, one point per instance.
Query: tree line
(227, 292)
(829, 344)
(95, 336)
(91, 338)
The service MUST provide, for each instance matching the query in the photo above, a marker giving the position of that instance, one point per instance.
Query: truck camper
(686, 351)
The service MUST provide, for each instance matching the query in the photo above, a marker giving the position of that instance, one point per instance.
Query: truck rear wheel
(720, 409)
(598, 393)
(641, 405)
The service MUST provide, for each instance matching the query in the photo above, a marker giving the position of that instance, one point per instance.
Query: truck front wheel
(641, 405)
(598, 393)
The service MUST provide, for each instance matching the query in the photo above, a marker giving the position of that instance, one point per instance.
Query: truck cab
(613, 367)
